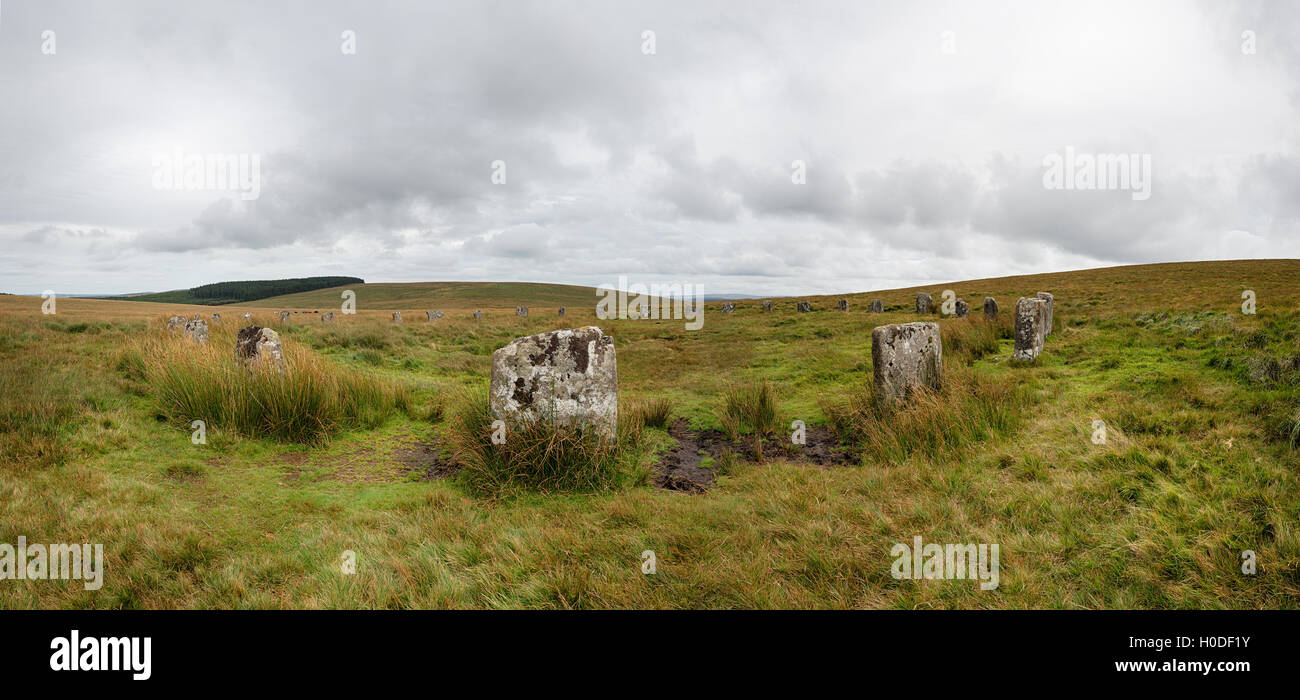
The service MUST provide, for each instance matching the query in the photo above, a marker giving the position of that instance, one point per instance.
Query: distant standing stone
(729, 307)
(963, 309)
(327, 317)
(1031, 314)
(767, 306)
(478, 315)
(844, 305)
(804, 307)
(521, 311)
(197, 330)
(877, 306)
(216, 318)
(990, 308)
(1051, 306)
(561, 314)
(256, 346)
(923, 302)
(284, 317)
(177, 323)
(569, 376)
(248, 317)
(906, 356)
(433, 315)
(397, 317)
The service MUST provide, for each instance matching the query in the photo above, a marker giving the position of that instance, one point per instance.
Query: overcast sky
(923, 128)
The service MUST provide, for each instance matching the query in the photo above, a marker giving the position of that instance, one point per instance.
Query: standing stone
(478, 315)
(284, 317)
(990, 308)
(569, 376)
(561, 314)
(197, 330)
(767, 306)
(327, 317)
(397, 317)
(521, 311)
(216, 318)
(923, 302)
(844, 305)
(804, 307)
(177, 323)
(877, 306)
(1031, 314)
(248, 317)
(433, 315)
(1051, 306)
(963, 309)
(255, 346)
(729, 307)
(905, 356)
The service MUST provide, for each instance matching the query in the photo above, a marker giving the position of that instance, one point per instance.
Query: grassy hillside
(221, 293)
(1201, 405)
(428, 296)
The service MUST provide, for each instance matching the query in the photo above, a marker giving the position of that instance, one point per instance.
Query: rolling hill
(439, 295)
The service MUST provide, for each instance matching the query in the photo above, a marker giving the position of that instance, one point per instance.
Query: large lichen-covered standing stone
(906, 356)
(877, 306)
(1031, 314)
(804, 307)
(197, 331)
(962, 308)
(1051, 306)
(256, 346)
(990, 308)
(568, 376)
(923, 302)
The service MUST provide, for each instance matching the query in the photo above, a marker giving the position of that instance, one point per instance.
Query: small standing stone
(844, 305)
(521, 311)
(561, 314)
(478, 315)
(197, 330)
(284, 317)
(990, 308)
(923, 302)
(877, 306)
(248, 317)
(216, 318)
(327, 317)
(433, 315)
(767, 306)
(255, 345)
(1031, 314)
(729, 307)
(1051, 306)
(397, 317)
(906, 356)
(177, 323)
(569, 376)
(804, 307)
(963, 309)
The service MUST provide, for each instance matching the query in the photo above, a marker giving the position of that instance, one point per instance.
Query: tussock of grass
(310, 401)
(653, 413)
(538, 455)
(969, 410)
(750, 409)
(969, 339)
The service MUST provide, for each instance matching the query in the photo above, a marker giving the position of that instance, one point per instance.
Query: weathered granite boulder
(176, 323)
(990, 308)
(906, 356)
(397, 317)
(1031, 314)
(843, 305)
(284, 317)
(804, 307)
(923, 303)
(877, 306)
(767, 306)
(521, 311)
(569, 376)
(327, 317)
(478, 315)
(433, 315)
(561, 314)
(1051, 306)
(729, 307)
(962, 308)
(258, 347)
(197, 331)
